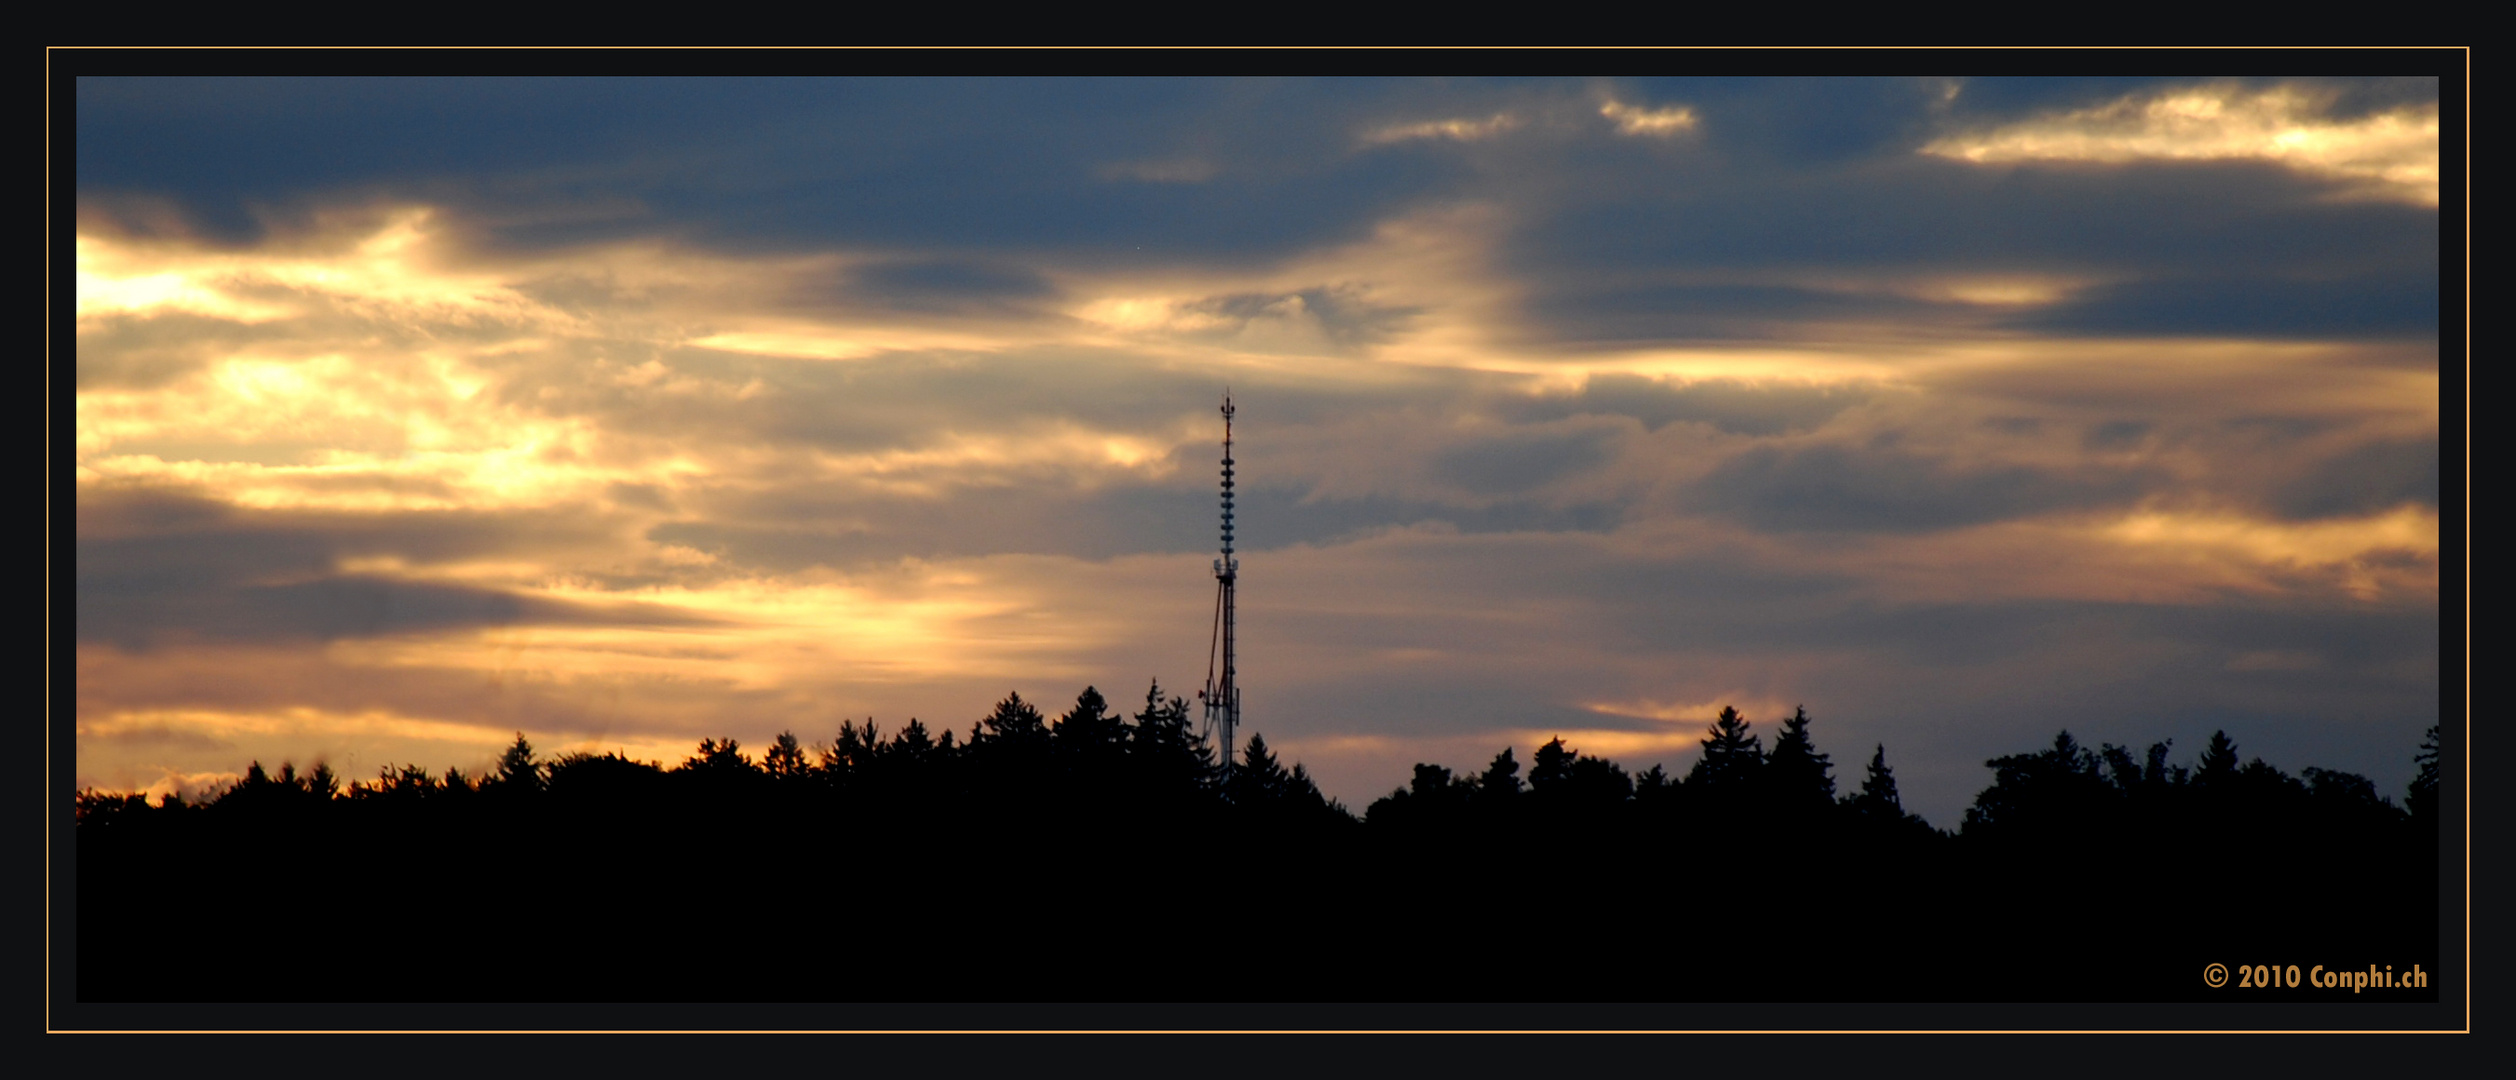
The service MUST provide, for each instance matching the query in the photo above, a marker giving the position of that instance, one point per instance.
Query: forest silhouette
(1098, 856)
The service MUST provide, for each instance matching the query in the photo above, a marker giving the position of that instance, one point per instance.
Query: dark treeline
(1100, 856)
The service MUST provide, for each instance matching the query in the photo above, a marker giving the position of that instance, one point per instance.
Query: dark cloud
(1833, 488)
(1521, 460)
(2117, 434)
(758, 163)
(1804, 121)
(2278, 429)
(1715, 312)
(139, 615)
(153, 566)
(783, 533)
(2256, 246)
(1729, 405)
(642, 496)
(1925, 212)
(1343, 317)
(996, 181)
(935, 286)
(2391, 305)
(2363, 480)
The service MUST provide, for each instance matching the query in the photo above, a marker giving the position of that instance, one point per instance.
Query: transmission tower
(1222, 694)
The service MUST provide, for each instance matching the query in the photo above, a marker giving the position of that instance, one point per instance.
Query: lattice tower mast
(1222, 694)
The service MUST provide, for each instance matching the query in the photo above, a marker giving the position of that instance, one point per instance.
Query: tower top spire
(1227, 566)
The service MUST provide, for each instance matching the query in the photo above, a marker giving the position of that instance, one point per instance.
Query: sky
(414, 414)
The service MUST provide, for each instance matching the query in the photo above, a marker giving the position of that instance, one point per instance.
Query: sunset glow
(1578, 408)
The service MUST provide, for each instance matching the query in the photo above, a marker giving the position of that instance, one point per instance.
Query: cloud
(2391, 154)
(1730, 405)
(1176, 171)
(1834, 488)
(1523, 460)
(2367, 479)
(1657, 123)
(1710, 312)
(1318, 319)
(156, 567)
(2371, 305)
(944, 285)
(1459, 130)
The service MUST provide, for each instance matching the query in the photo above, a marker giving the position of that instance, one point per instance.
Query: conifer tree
(1501, 781)
(1732, 757)
(1551, 766)
(1878, 798)
(1164, 751)
(854, 754)
(1260, 780)
(1015, 725)
(785, 759)
(2422, 800)
(322, 783)
(1090, 730)
(2218, 760)
(914, 745)
(1798, 776)
(517, 772)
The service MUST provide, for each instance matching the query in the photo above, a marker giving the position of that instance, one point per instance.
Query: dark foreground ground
(612, 903)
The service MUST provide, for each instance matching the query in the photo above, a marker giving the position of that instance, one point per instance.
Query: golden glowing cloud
(2391, 553)
(2393, 154)
(1656, 123)
(1757, 707)
(2146, 556)
(842, 342)
(1461, 130)
(395, 273)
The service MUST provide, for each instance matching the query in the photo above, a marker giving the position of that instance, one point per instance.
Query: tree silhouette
(1165, 752)
(1015, 728)
(2218, 760)
(1501, 780)
(2054, 796)
(914, 747)
(855, 756)
(322, 784)
(1432, 800)
(1733, 758)
(1551, 766)
(1878, 798)
(2422, 799)
(517, 773)
(1577, 787)
(785, 760)
(1089, 731)
(1101, 831)
(1800, 779)
(1260, 780)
